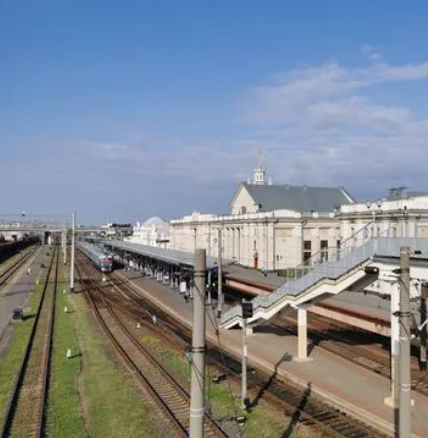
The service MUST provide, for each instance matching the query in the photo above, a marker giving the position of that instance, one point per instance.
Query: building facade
(281, 226)
(152, 232)
(270, 226)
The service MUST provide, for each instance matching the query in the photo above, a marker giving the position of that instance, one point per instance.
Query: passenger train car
(101, 260)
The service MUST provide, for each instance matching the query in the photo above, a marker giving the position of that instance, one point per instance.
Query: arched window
(243, 210)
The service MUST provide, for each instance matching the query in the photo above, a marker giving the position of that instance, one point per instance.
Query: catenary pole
(197, 389)
(244, 398)
(405, 320)
(220, 274)
(73, 225)
(423, 333)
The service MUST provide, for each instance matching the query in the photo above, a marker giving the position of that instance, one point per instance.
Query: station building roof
(171, 256)
(298, 198)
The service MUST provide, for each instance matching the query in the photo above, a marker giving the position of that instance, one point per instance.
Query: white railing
(351, 257)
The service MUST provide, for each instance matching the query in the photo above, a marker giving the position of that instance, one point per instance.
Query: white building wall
(274, 238)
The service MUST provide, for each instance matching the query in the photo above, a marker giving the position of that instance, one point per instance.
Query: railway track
(11, 270)
(348, 346)
(25, 415)
(169, 396)
(301, 405)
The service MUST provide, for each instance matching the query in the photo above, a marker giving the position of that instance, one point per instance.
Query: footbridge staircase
(322, 280)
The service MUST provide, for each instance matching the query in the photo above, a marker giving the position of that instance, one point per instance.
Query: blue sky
(124, 110)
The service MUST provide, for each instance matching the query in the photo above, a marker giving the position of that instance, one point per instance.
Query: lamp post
(377, 204)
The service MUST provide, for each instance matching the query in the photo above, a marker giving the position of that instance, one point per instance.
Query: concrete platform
(350, 387)
(17, 294)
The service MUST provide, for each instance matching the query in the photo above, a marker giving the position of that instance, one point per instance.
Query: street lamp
(377, 204)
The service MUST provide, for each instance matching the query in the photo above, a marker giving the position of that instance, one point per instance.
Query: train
(101, 260)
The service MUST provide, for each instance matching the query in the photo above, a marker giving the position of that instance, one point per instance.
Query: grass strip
(64, 410)
(112, 405)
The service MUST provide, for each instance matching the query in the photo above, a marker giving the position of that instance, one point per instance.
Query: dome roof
(155, 220)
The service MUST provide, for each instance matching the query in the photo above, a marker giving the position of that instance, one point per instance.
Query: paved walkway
(344, 383)
(17, 294)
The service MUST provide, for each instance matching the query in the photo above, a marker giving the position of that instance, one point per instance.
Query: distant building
(153, 232)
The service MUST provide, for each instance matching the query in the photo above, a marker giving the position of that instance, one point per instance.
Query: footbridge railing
(351, 258)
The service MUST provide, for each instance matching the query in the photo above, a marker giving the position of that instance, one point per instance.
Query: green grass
(11, 363)
(64, 410)
(112, 405)
(261, 422)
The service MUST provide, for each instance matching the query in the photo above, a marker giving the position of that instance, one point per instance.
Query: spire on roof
(259, 175)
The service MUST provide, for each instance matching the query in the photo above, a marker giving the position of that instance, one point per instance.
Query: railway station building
(278, 227)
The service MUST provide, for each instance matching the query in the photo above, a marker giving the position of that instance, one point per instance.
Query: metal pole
(65, 246)
(62, 237)
(405, 320)
(220, 274)
(423, 334)
(72, 253)
(209, 282)
(244, 398)
(274, 265)
(267, 245)
(197, 389)
(374, 232)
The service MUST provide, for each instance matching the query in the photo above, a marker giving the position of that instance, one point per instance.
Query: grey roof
(298, 198)
(171, 256)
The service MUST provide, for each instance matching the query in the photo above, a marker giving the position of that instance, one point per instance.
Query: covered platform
(171, 267)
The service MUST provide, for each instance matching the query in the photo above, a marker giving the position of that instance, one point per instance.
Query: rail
(14, 398)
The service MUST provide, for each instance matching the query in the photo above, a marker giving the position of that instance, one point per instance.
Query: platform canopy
(171, 256)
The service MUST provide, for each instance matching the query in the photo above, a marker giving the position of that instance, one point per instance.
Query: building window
(254, 245)
(307, 251)
(324, 250)
(243, 210)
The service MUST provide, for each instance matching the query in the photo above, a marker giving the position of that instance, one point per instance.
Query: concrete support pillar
(392, 399)
(159, 275)
(183, 286)
(238, 250)
(165, 277)
(302, 339)
(232, 243)
(423, 334)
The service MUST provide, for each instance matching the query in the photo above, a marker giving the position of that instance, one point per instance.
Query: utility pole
(65, 246)
(244, 365)
(197, 406)
(73, 225)
(220, 274)
(423, 331)
(405, 320)
(247, 312)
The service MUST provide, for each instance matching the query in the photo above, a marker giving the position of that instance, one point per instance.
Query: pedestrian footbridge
(333, 277)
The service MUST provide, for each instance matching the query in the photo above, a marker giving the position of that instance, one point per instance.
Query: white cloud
(327, 124)
(333, 126)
